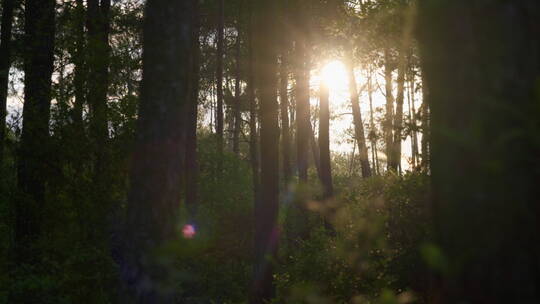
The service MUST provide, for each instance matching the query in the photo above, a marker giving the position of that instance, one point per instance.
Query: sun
(334, 75)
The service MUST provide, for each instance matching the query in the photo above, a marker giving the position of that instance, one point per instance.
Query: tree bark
(303, 124)
(284, 107)
(156, 172)
(191, 160)
(389, 116)
(33, 152)
(79, 78)
(483, 97)
(324, 143)
(253, 132)
(266, 208)
(219, 80)
(237, 91)
(357, 118)
(373, 133)
(98, 71)
(395, 163)
(5, 64)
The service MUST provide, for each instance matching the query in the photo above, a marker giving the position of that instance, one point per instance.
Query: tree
(357, 118)
(33, 152)
(191, 161)
(219, 77)
(388, 126)
(266, 208)
(483, 97)
(237, 89)
(303, 124)
(253, 132)
(98, 71)
(154, 194)
(284, 113)
(5, 64)
(324, 142)
(80, 71)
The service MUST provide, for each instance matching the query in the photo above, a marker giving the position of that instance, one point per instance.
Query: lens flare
(188, 231)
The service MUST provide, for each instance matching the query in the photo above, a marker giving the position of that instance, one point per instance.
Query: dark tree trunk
(373, 133)
(482, 75)
(284, 107)
(98, 71)
(79, 78)
(156, 172)
(191, 160)
(219, 80)
(5, 64)
(33, 153)
(266, 209)
(313, 144)
(357, 118)
(253, 132)
(426, 126)
(237, 91)
(389, 116)
(412, 115)
(395, 164)
(303, 124)
(324, 142)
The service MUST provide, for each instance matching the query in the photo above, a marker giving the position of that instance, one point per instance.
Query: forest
(270, 151)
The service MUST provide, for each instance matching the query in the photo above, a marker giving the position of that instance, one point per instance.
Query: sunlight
(334, 75)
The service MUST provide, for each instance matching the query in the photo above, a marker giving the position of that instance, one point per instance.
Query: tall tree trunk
(5, 64)
(412, 115)
(357, 118)
(98, 71)
(33, 153)
(484, 102)
(313, 143)
(395, 164)
(303, 124)
(284, 107)
(79, 78)
(389, 115)
(373, 133)
(266, 209)
(426, 125)
(237, 91)
(154, 194)
(219, 80)
(324, 142)
(253, 131)
(191, 160)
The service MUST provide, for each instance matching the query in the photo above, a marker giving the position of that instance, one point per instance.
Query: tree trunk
(395, 164)
(253, 132)
(373, 133)
(5, 64)
(219, 80)
(191, 160)
(303, 124)
(357, 118)
(284, 107)
(237, 92)
(266, 209)
(426, 126)
(389, 116)
(98, 71)
(324, 143)
(33, 153)
(79, 78)
(482, 75)
(156, 172)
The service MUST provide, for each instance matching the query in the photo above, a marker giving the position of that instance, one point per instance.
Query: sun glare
(334, 75)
